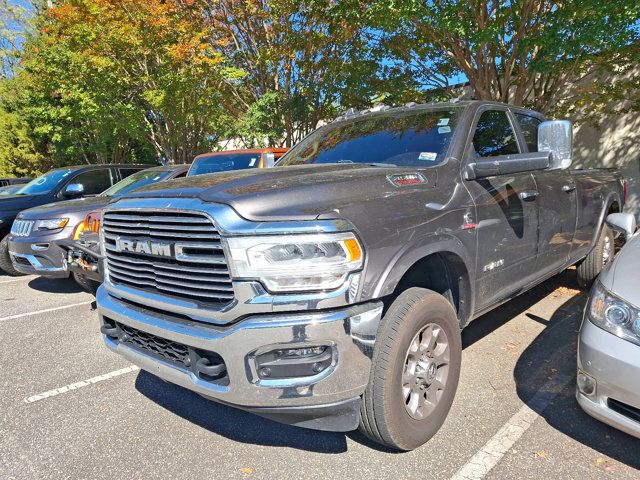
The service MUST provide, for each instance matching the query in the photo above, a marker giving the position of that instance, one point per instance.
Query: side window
(494, 135)
(94, 181)
(529, 127)
(180, 175)
(125, 172)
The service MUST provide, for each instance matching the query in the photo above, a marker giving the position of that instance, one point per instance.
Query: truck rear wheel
(600, 256)
(415, 372)
(5, 259)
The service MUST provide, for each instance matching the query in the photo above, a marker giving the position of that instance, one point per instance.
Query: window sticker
(444, 129)
(428, 156)
(253, 162)
(443, 122)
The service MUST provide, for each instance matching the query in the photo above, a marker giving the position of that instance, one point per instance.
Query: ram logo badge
(144, 246)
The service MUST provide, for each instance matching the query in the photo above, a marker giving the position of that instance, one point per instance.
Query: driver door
(506, 223)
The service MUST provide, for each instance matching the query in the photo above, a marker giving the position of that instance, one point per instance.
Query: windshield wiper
(371, 164)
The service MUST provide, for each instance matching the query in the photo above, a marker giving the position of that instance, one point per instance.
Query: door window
(125, 172)
(494, 135)
(94, 181)
(529, 127)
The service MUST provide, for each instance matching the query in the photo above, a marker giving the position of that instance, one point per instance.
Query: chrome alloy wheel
(607, 250)
(426, 369)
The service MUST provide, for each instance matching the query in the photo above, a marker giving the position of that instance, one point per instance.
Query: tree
(125, 70)
(299, 62)
(525, 52)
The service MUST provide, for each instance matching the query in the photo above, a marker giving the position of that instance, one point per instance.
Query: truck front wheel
(415, 372)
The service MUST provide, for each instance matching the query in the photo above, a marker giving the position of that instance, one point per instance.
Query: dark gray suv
(34, 240)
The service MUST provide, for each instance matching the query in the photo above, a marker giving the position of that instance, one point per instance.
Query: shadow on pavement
(489, 322)
(55, 285)
(233, 423)
(552, 353)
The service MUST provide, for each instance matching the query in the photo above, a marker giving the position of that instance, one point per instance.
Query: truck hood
(296, 193)
(65, 208)
(12, 204)
(621, 278)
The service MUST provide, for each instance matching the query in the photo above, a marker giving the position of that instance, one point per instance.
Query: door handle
(528, 195)
(568, 188)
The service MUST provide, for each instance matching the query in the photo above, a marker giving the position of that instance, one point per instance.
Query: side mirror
(269, 160)
(623, 223)
(556, 136)
(73, 190)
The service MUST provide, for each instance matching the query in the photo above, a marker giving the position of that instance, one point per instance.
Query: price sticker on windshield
(428, 156)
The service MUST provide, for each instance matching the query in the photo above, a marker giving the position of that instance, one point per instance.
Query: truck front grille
(176, 254)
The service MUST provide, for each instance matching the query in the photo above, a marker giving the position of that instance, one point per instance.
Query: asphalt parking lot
(69, 408)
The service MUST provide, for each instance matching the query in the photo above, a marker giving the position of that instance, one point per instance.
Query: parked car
(329, 292)
(4, 182)
(83, 254)
(38, 251)
(608, 386)
(54, 186)
(235, 160)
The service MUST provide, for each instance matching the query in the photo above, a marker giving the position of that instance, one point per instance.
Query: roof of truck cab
(474, 104)
(248, 150)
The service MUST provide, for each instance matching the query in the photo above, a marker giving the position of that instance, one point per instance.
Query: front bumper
(327, 401)
(614, 364)
(41, 256)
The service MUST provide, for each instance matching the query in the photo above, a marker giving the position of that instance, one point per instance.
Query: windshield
(418, 138)
(45, 183)
(224, 163)
(136, 180)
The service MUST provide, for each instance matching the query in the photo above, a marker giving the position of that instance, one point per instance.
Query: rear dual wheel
(415, 372)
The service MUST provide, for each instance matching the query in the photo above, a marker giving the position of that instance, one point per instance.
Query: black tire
(593, 263)
(385, 416)
(5, 259)
(88, 285)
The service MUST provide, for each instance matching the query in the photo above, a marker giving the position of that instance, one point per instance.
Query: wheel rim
(426, 370)
(606, 250)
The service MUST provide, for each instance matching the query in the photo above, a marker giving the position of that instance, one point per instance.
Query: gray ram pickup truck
(330, 291)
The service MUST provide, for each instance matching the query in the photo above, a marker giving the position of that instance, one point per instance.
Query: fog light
(300, 352)
(294, 362)
(586, 384)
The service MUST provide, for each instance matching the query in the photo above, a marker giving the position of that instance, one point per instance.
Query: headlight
(614, 314)
(296, 262)
(52, 224)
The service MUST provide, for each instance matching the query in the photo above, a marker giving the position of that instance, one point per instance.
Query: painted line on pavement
(84, 383)
(46, 310)
(492, 452)
(30, 277)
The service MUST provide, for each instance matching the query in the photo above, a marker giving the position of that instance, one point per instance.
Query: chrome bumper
(350, 331)
(615, 365)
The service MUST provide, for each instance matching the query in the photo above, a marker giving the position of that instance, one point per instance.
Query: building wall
(614, 142)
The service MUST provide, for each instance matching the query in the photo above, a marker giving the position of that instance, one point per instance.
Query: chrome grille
(197, 268)
(21, 228)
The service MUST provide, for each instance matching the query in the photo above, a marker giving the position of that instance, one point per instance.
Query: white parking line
(31, 277)
(492, 452)
(46, 310)
(77, 385)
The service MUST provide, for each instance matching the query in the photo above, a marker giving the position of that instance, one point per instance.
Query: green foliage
(88, 81)
(527, 52)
